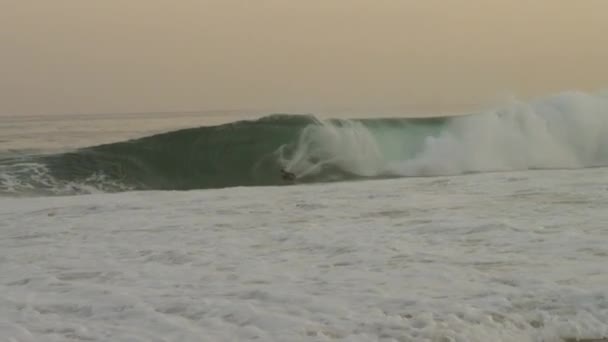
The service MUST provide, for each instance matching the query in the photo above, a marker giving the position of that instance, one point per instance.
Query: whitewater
(490, 226)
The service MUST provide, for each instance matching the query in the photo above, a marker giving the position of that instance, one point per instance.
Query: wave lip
(568, 130)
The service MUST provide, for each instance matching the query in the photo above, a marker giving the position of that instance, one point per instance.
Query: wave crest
(568, 130)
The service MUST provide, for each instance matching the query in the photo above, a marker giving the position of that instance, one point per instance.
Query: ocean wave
(567, 130)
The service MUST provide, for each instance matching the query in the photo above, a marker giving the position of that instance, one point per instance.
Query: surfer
(288, 176)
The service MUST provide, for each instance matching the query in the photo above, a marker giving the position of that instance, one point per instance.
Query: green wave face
(234, 154)
(243, 153)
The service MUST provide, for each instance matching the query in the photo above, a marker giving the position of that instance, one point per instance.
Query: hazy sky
(77, 56)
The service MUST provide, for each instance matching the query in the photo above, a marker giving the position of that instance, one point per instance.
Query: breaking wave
(568, 130)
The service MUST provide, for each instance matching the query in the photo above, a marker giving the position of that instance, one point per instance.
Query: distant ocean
(486, 226)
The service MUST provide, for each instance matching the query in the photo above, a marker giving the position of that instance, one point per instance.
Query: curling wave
(568, 130)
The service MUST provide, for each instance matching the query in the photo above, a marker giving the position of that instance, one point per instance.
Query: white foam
(32, 178)
(564, 131)
(349, 146)
(490, 257)
(568, 130)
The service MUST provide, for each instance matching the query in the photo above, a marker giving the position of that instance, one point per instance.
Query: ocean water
(490, 226)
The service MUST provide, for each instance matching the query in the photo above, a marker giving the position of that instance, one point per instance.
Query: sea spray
(565, 131)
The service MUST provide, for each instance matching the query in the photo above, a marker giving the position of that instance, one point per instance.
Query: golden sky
(75, 56)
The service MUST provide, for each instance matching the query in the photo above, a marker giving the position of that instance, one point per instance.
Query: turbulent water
(565, 131)
(431, 244)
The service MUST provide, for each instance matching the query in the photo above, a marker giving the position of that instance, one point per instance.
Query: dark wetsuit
(288, 176)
